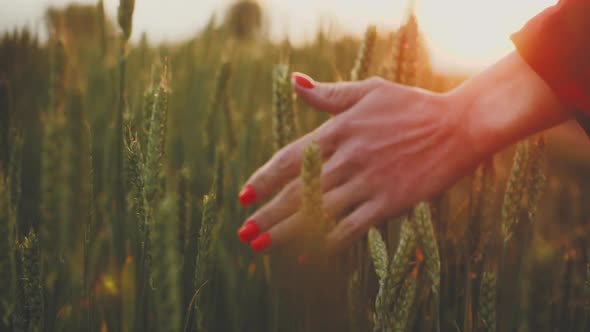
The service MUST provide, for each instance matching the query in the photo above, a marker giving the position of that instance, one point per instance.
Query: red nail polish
(247, 196)
(303, 81)
(261, 243)
(248, 231)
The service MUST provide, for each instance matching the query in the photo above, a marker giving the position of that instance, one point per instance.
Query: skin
(390, 146)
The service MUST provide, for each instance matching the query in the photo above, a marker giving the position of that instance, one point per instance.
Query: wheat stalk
(355, 306)
(89, 234)
(515, 190)
(284, 116)
(487, 301)
(404, 304)
(15, 167)
(317, 224)
(220, 102)
(183, 209)
(425, 231)
(359, 275)
(364, 59)
(156, 139)
(101, 24)
(218, 178)
(6, 124)
(7, 264)
(204, 256)
(125, 17)
(31, 303)
(407, 57)
(378, 252)
(398, 269)
(165, 265)
(536, 179)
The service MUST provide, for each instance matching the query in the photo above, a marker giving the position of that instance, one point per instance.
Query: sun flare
(470, 34)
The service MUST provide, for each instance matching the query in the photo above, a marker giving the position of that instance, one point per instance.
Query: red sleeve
(556, 44)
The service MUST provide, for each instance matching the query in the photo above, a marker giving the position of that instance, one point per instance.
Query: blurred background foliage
(243, 292)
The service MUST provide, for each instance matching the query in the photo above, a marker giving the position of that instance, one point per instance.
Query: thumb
(333, 98)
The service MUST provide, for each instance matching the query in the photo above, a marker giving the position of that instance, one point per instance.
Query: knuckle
(332, 92)
(282, 161)
(352, 228)
(359, 154)
(342, 164)
(382, 202)
(388, 199)
(342, 127)
(376, 81)
(330, 135)
(293, 191)
(330, 211)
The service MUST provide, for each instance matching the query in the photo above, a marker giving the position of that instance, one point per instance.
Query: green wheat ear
(30, 307)
(399, 267)
(425, 231)
(220, 103)
(134, 168)
(312, 205)
(536, 180)
(156, 140)
(125, 17)
(364, 59)
(230, 134)
(284, 116)
(402, 310)
(487, 301)
(400, 262)
(515, 190)
(378, 252)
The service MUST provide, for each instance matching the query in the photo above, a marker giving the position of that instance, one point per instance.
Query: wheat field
(121, 162)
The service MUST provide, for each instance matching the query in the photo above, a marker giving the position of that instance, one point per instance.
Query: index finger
(286, 164)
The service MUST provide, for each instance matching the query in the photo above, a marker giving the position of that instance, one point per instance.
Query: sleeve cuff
(556, 45)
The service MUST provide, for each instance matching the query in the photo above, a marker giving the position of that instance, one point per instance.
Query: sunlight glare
(470, 34)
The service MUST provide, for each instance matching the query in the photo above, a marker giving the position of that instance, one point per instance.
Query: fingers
(286, 164)
(354, 226)
(288, 200)
(336, 202)
(333, 98)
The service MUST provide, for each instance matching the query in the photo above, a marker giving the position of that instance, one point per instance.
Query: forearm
(504, 104)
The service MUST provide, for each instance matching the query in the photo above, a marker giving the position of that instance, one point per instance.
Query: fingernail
(303, 81)
(248, 231)
(261, 243)
(247, 196)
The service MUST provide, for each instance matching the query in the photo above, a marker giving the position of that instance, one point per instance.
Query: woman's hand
(387, 147)
(390, 146)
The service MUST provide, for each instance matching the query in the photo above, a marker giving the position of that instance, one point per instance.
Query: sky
(461, 34)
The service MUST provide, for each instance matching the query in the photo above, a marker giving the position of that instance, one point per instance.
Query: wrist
(505, 104)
